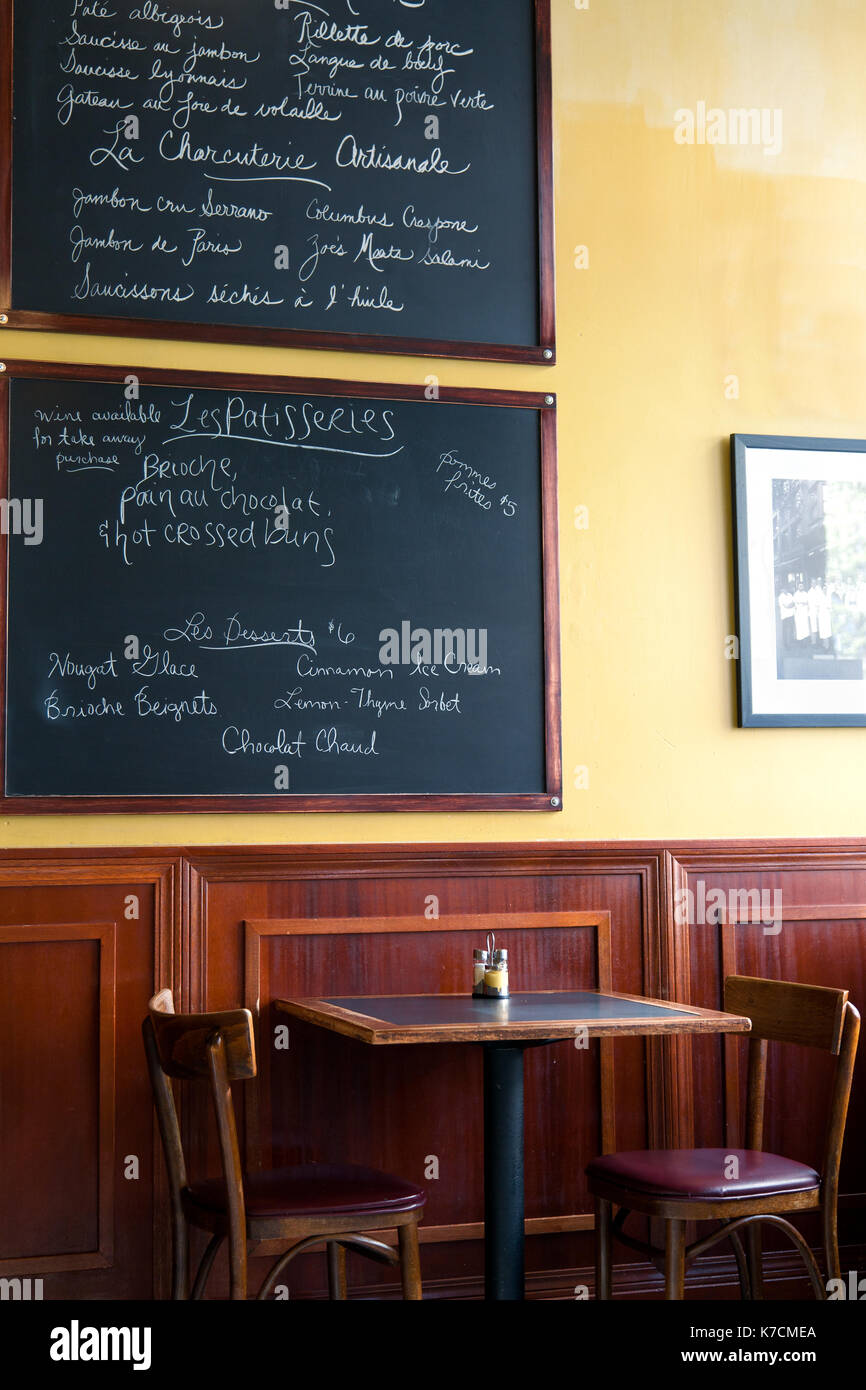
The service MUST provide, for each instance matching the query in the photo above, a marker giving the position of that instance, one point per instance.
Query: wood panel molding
(256, 986)
(741, 865)
(82, 867)
(101, 1257)
(27, 875)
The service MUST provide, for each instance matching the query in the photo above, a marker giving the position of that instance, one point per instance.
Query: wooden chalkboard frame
(544, 352)
(548, 799)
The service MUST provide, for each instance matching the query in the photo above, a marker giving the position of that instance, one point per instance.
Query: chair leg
(410, 1261)
(742, 1266)
(180, 1263)
(603, 1243)
(237, 1271)
(675, 1260)
(205, 1266)
(831, 1239)
(336, 1271)
(756, 1276)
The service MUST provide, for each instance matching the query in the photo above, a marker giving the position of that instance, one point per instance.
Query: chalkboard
(371, 174)
(258, 593)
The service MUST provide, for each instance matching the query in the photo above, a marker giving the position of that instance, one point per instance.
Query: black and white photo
(800, 509)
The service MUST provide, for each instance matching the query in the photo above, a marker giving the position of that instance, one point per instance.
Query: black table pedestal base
(503, 1171)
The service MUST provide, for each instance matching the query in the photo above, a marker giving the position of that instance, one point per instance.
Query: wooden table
(504, 1028)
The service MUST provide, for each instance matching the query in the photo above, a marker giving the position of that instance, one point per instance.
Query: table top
(544, 1015)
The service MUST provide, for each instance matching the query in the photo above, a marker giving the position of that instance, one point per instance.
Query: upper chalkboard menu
(256, 593)
(360, 174)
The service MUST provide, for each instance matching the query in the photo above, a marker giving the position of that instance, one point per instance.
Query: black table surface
(570, 1006)
(545, 1015)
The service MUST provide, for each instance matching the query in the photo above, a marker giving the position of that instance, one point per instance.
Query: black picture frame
(791, 676)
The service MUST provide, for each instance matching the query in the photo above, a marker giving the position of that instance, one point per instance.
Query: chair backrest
(215, 1047)
(783, 1012)
(810, 1016)
(182, 1040)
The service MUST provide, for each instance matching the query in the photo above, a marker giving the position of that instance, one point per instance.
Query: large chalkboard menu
(369, 174)
(258, 593)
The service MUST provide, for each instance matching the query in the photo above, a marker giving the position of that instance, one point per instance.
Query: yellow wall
(704, 262)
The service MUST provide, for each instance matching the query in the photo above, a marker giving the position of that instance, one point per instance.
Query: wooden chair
(680, 1185)
(308, 1206)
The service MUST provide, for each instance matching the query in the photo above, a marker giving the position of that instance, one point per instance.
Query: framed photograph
(800, 539)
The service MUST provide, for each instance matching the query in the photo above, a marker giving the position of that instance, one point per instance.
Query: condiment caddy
(490, 971)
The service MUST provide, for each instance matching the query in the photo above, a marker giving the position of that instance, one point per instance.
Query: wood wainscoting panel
(398, 920)
(375, 956)
(83, 938)
(224, 925)
(799, 917)
(57, 988)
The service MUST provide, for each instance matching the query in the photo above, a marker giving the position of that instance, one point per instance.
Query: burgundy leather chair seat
(312, 1189)
(698, 1173)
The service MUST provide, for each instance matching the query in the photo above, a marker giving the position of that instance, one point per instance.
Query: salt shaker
(480, 961)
